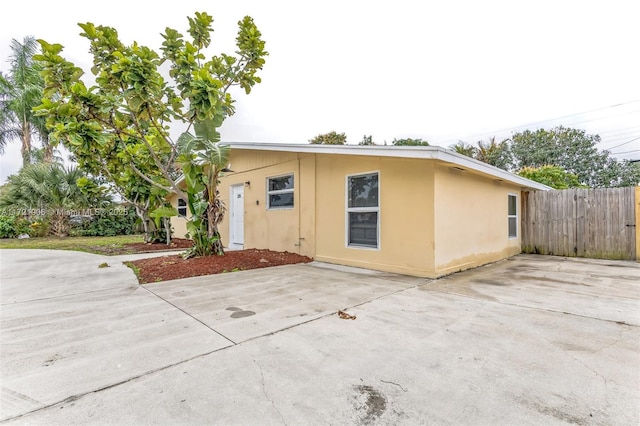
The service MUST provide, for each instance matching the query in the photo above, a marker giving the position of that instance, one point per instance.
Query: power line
(625, 152)
(624, 143)
(556, 119)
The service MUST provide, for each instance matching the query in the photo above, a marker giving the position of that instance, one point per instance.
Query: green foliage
(13, 225)
(108, 222)
(331, 138)
(47, 192)
(367, 140)
(464, 148)
(491, 152)
(20, 91)
(118, 129)
(574, 151)
(202, 162)
(409, 142)
(494, 153)
(552, 176)
(41, 227)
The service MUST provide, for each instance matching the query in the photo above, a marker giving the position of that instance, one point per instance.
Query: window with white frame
(280, 192)
(513, 216)
(363, 211)
(182, 208)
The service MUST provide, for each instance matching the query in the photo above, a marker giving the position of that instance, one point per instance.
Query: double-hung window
(182, 208)
(512, 217)
(363, 211)
(280, 192)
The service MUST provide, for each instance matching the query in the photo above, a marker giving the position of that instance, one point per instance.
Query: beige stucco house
(423, 211)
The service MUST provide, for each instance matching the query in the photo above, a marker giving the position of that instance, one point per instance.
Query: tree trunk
(167, 228)
(144, 217)
(25, 150)
(212, 229)
(48, 151)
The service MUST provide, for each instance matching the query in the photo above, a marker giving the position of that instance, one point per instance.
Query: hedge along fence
(595, 223)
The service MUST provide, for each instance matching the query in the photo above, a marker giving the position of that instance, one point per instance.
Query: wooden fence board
(598, 223)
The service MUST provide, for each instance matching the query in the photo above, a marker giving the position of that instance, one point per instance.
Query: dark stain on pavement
(239, 313)
(370, 404)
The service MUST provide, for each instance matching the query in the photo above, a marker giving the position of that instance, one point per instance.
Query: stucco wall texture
(434, 219)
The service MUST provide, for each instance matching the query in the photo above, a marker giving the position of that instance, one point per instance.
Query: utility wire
(624, 143)
(625, 152)
(560, 118)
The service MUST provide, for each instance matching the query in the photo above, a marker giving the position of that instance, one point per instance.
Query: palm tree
(464, 148)
(50, 191)
(494, 153)
(20, 91)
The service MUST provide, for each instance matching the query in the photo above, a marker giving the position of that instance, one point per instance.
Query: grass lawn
(98, 245)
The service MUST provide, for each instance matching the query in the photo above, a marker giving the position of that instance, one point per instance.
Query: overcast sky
(442, 71)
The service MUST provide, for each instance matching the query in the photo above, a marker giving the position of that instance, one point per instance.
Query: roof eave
(423, 152)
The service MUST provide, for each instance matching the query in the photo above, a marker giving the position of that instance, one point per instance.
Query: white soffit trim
(423, 152)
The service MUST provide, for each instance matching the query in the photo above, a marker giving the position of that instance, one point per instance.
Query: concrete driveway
(529, 340)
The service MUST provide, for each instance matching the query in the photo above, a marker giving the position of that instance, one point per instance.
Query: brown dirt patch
(176, 243)
(131, 248)
(175, 267)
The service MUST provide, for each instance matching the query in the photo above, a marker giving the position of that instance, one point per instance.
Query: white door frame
(236, 239)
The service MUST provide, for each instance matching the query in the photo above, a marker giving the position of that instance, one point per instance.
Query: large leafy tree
(552, 176)
(20, 91)
(574, 151)
(331, 138)
(495, 153)
(464, 148)
(491, 152)
(120, 126)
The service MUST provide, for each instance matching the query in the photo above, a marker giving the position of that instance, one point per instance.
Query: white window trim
(185, 207)
(512, 216)
(281, 191)
(360, 209)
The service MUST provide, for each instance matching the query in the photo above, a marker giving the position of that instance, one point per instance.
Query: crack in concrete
(63, 295)
(76, 397)
(264, 390)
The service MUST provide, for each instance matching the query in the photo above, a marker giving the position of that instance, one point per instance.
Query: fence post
(637, 224)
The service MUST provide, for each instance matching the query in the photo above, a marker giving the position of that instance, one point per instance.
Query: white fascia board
(424, 152)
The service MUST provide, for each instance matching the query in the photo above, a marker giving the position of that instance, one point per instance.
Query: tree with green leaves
(552, 176)
(494, 153)
(491, 152)
(409, 142)
(367, 140)
(464, 148)
(574, 151)
(331, 138)
(20, 91)
(120, 126)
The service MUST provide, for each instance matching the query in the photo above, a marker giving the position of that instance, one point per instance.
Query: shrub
(12, 226)
(38, 228)
(108, 223)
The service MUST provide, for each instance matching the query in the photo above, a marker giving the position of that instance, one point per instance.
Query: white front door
(236, 223)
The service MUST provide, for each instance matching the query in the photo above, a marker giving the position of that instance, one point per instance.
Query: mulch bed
(176, 243)
(175, 267)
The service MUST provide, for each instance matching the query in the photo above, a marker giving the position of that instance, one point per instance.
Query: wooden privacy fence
(596, 223)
